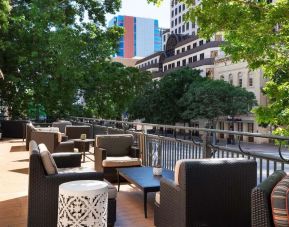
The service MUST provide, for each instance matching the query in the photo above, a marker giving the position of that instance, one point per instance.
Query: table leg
(118, 181)
(145, 203)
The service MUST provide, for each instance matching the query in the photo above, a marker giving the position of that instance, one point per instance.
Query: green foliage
(53, 51)
(257, 32)
(158, 103)
(111, 90)
(211, 99)
(183, 95)
(4, 11)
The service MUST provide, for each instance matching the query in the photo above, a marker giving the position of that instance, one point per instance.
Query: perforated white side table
(82, 203)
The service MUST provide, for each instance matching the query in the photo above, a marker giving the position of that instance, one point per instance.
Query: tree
(47, 50)
(212, 99)
(109, 93)
(158, 103)
(257, 32)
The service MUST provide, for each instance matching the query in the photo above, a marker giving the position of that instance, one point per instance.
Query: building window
(176, 22)
(172, 3)
(188, 47)
(176, 11)
(180, 8)
(170, 66)
(184, 62)
(180, 31)
(178, 51)
(214, 53)
(156, 61)
(251, 127)
(180, 19)
(176, 31)
(194, 45)
(183, 49)
(202, 56)
(176, 2)
(173, 65)
(172, 23)
(222, 77)
(201, 42)
(183, 28)
(187, 25)
(193, 25)
(165, 68)
(231, 79)
(195, 58)
(240, 79)
(178, 63)
(190, 59)
(250, 79)
(184, 7)
(172, 13)
(193, 33)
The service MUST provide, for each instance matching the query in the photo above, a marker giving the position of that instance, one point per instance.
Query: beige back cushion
(47, 160)
(177, 169)
(115, 145)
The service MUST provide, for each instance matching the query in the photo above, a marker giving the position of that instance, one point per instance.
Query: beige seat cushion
(47, 160)
(112, 191)
(158, 198)
(121, 161)
(75, 170)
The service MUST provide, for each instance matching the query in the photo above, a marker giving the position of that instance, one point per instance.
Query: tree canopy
(257, 32)
(211, 99)
(50, 49)
(183, 95)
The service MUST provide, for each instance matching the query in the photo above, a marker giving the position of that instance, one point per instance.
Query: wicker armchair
(61, 125)
(52, 140)
(115, 151)
(74, 131)
(43, 188)
(207, 192)
(261, 200)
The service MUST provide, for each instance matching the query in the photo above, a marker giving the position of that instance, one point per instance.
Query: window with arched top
(250, 79)
(231, 79)
(222, 77)
(240, 79)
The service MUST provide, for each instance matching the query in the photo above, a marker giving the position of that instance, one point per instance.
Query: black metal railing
(174, 147)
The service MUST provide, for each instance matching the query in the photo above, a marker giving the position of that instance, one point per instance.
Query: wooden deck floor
(14, 189)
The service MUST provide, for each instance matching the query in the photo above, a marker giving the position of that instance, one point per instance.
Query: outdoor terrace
(14, 162)
(14, 190)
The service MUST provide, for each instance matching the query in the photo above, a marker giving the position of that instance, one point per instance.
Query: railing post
(205, 145)
(142, 145)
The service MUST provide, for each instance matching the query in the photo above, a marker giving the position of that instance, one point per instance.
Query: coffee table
(143, 178)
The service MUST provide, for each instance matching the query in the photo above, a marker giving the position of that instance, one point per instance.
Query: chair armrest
(171, 211)
(58, 179)
(66, 160)
(67, 146)
(134, 152)
(99, 156)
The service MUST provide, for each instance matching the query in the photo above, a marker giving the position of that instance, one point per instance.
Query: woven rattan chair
(115, 151)
(207, 193)
(261, 200)
(43, 188)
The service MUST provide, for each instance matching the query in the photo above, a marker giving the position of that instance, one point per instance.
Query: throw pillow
(47, 160)
(279, 202)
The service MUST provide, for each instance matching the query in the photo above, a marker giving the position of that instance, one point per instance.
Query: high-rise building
(178, 23)
(142, 36)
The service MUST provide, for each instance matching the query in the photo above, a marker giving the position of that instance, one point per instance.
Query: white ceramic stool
(83, 203)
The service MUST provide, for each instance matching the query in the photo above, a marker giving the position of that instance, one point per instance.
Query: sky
(140, 8)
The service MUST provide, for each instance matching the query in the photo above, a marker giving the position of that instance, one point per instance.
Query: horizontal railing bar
(158, 126)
